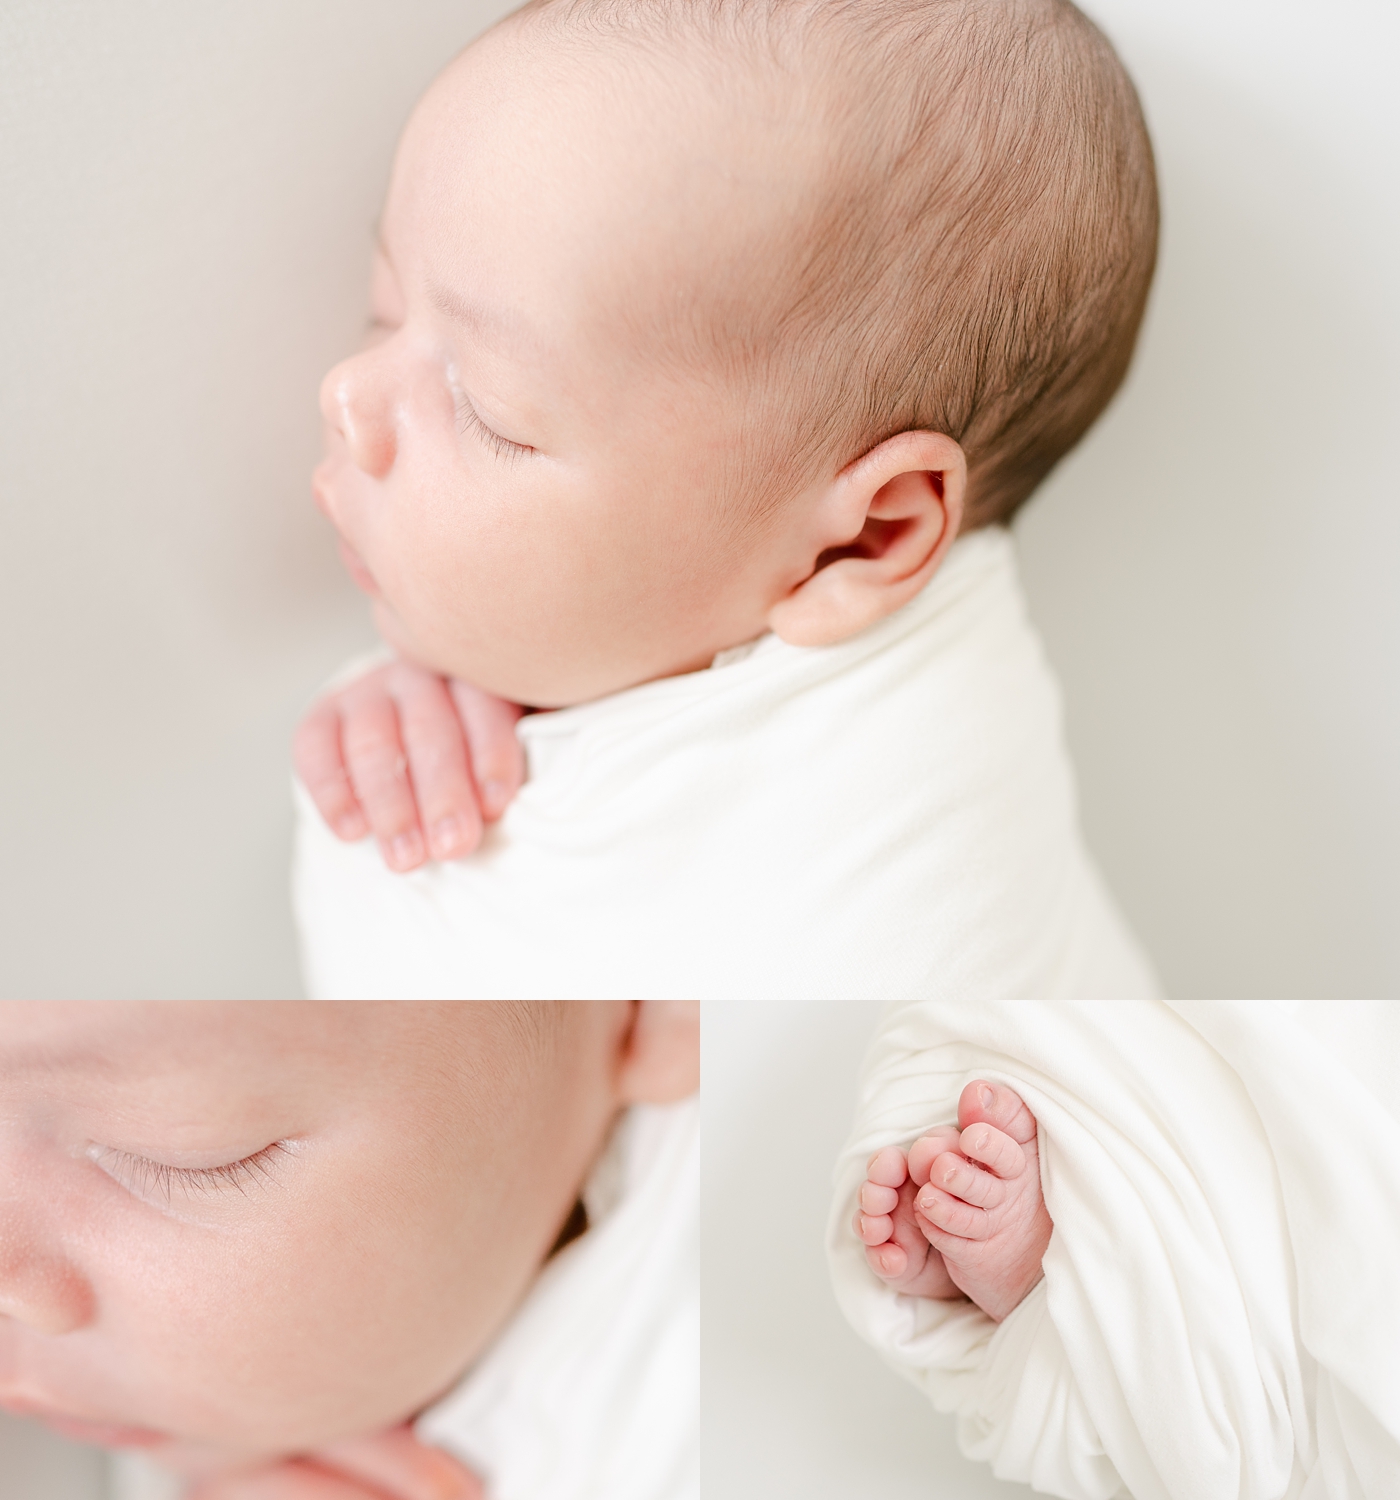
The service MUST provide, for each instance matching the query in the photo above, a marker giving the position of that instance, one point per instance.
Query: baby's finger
(399, 1465)
(378, 767)
(436, 747)
(887, 1168)
(926, 1148)
(320, 765)
(994, 1149)
(956, 1175)
(497, 756)
(951, 1214)
(293, 1480)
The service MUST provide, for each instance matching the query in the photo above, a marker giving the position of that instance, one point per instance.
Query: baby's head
(699, 318)
(237, 1230)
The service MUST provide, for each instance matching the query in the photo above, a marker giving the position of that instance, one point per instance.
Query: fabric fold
(1219, 1314)
(592, 1392)
(890, 816)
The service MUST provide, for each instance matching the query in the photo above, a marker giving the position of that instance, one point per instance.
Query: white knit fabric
(1220, 1313)
(890, 816)
(593, 1390)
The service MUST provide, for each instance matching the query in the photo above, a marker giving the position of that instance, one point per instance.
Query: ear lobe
(895, 512)
(661, 1055)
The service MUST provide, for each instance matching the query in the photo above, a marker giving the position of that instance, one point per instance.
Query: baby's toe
(875, 1199)
(965, 1180)
(993, 1149)
(926, 1149)
(874, 1229)
(887, 1261)
(983, 1103)
(947, 1215)
(888, 1168)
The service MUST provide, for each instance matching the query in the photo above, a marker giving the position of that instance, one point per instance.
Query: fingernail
(407, 849)
(351, 826)
(448, 836)
(988, 1098)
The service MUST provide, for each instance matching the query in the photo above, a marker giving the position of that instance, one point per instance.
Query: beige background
(794, 1405)
(187, 198)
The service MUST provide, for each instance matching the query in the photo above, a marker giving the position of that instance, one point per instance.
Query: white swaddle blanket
(1220, 1312)
(593, 1390)
(890, 816)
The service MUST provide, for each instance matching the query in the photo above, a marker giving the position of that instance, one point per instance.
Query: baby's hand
(390, 1465)
(421, 761)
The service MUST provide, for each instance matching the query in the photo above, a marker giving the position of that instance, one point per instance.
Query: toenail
(988, 1098)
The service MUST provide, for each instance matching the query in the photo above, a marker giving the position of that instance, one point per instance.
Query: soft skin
(536, 488)
(962, 1213)
(422, 1160)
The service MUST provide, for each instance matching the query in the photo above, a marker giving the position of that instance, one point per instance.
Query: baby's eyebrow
(476, 316)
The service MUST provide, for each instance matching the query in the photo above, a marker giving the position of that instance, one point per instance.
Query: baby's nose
(40, 1289)
(357, 400)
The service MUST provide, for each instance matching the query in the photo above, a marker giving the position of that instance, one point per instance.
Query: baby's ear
(661, 1055)
(877, 534)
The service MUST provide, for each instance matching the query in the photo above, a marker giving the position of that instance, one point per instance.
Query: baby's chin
(405, 644)
(550, 683)
(396, 634)
(203, 1461)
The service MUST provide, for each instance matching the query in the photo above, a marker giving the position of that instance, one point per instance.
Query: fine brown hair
(977, 255)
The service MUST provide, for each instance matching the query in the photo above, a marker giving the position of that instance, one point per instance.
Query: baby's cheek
(256, 1338)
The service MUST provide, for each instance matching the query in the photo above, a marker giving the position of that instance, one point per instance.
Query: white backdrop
(37, 1466)
(793, 1404)
(187, 196)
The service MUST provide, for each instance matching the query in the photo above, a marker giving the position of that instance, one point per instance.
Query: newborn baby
(252, 1241)
(714, 346)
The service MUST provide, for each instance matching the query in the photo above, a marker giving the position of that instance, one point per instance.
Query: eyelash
(143, 1176)
(468, 419)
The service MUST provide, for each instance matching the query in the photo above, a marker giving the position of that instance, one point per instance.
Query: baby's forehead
(181, 1066)
(596, 183)
(107, 1043)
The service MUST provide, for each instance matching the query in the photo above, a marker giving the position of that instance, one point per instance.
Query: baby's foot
(978, 1201)
(896, 1248)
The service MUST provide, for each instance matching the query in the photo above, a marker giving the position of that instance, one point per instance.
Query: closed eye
(159, 1180)
(469, 420)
